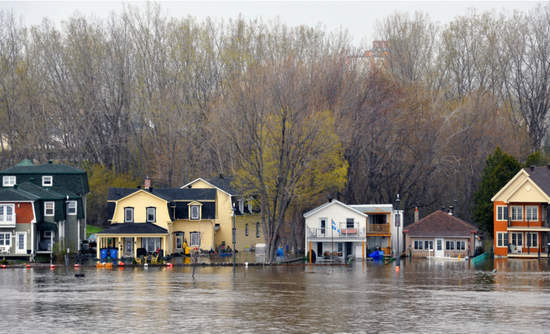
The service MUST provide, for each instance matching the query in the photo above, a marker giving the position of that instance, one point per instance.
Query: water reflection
(425, 296)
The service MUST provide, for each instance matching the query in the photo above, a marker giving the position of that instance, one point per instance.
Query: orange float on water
(52, 266)
(3, 266)
(28, 266)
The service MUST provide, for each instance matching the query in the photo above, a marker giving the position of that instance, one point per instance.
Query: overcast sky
(359, 18)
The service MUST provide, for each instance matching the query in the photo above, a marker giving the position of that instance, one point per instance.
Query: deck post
(363, 250)
(98, 247)
(135, 247)
(119, 248)
(310, 254)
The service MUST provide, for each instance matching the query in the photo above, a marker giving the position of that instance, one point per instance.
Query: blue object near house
(103, 253)
(377, 255)
(280, 251)
(113, 253)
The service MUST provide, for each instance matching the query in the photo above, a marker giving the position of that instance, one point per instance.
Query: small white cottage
(335, 230)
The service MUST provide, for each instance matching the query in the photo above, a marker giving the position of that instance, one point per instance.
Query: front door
(348, 249)
(128, 247)
(439, 251)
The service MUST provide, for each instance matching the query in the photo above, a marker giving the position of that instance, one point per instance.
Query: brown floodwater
(426, 296)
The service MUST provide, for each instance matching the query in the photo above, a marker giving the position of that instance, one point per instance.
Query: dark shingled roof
(541, 176)
(42, 193)
(223, 183)
(16, 194)
(134, 228)
(169, 194)
(42, 169)
(440, 224)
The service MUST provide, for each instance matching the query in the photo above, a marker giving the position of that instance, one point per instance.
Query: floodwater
(425, 296)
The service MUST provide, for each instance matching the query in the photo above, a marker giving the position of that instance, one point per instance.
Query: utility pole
(397, 225)
(234, 237)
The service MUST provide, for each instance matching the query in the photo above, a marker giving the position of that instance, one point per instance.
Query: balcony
(378, 228)
(342, 232)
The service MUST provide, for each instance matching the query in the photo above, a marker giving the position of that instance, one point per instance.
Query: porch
(132, 240)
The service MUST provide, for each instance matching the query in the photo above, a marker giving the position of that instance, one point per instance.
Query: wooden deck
(527, 256)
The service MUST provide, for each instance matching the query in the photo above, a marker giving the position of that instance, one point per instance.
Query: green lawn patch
(90, 229)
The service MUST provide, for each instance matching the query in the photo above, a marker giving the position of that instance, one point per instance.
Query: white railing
(341, 232)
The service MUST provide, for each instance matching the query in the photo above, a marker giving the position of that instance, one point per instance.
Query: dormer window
(8, 180)
(195, 212)
(47, 181)
(128, 215)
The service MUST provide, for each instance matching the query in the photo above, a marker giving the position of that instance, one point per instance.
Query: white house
(336, 230)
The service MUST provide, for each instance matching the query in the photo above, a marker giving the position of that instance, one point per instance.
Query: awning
(45, 226)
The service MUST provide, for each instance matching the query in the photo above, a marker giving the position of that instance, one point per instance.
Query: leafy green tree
(499, 169)
(536, 159)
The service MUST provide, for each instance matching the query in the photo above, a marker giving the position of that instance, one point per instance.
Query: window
(151, 214)
(195, 212)
(428, 244)
(517, 238)
(21, 242)
(532, 213)
(5, 239)
(195, 239)
(246, 230)
(323, 225)
(150, 244)
(460, 245)
(350, 223)
(450, 244)
(257, 230)
(49, 208)
(8, 180)
(6, 214)
(179, 239)
(532, 241)
(47, 181)
(128, 215)
(502, 213)
(418, 244)
(71, 208)
(502, 239)
(517, 213)
(439, 244)
(340, 247)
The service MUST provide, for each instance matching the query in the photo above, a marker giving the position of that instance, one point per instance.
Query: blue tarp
(377, 255)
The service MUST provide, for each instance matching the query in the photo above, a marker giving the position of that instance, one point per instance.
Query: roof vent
(532, 167)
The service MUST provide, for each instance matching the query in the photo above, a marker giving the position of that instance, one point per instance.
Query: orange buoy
(3, 266)
(169, 265)
(120, 263)
(28, 266)
(396, 269)
(52, 266)
(76, 265)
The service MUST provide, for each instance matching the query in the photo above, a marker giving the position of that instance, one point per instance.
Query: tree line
(287, 110)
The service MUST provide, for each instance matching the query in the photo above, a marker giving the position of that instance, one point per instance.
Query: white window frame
(450, 243)
(46, 214)
(460, 242)
(4, 216)
(147, 220)
(501, 210)
(6, 237)
(8, 180)
(430, 244)
(69, 207)
(511, 241)
(500, 240)
(529, 216)
(128, 209)
(191, 215)
(419, 244)
(527, 239)
(517, 218)
(193, 236)
(47, 181)
(24, 249)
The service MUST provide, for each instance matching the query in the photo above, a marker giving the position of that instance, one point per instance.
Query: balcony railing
(378, 228)
(345, 232)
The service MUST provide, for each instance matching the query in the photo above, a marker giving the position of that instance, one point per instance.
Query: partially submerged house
(42, 209)
(440, 234)
(521, 217)
(335, 230)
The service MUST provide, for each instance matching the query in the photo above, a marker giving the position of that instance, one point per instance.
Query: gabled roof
(521, 172)
(48, 168)
(16, 195)
(333, 202)
(440, 224)
(221, 183)
(134, 228)
(42, 193)
(168, 194)
(541, 176)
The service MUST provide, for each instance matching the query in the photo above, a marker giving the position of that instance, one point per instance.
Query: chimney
(416, 214)
(147, 183)
(532, 167)
(451, 208)
(330, 199)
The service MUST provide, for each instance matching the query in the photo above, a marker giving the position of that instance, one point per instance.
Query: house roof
(333, 202)
(373, 208)
(134, 228)
(42, 192)
(541, 176)
(16, 195)
(49, 168)
(168, 194)
(223, 183)
(440, 224)
(25, 162)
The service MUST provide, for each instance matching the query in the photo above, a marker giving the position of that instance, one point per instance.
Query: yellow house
(146, 220)
(249, 230)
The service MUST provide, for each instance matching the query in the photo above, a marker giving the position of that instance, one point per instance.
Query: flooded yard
(425, 296)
